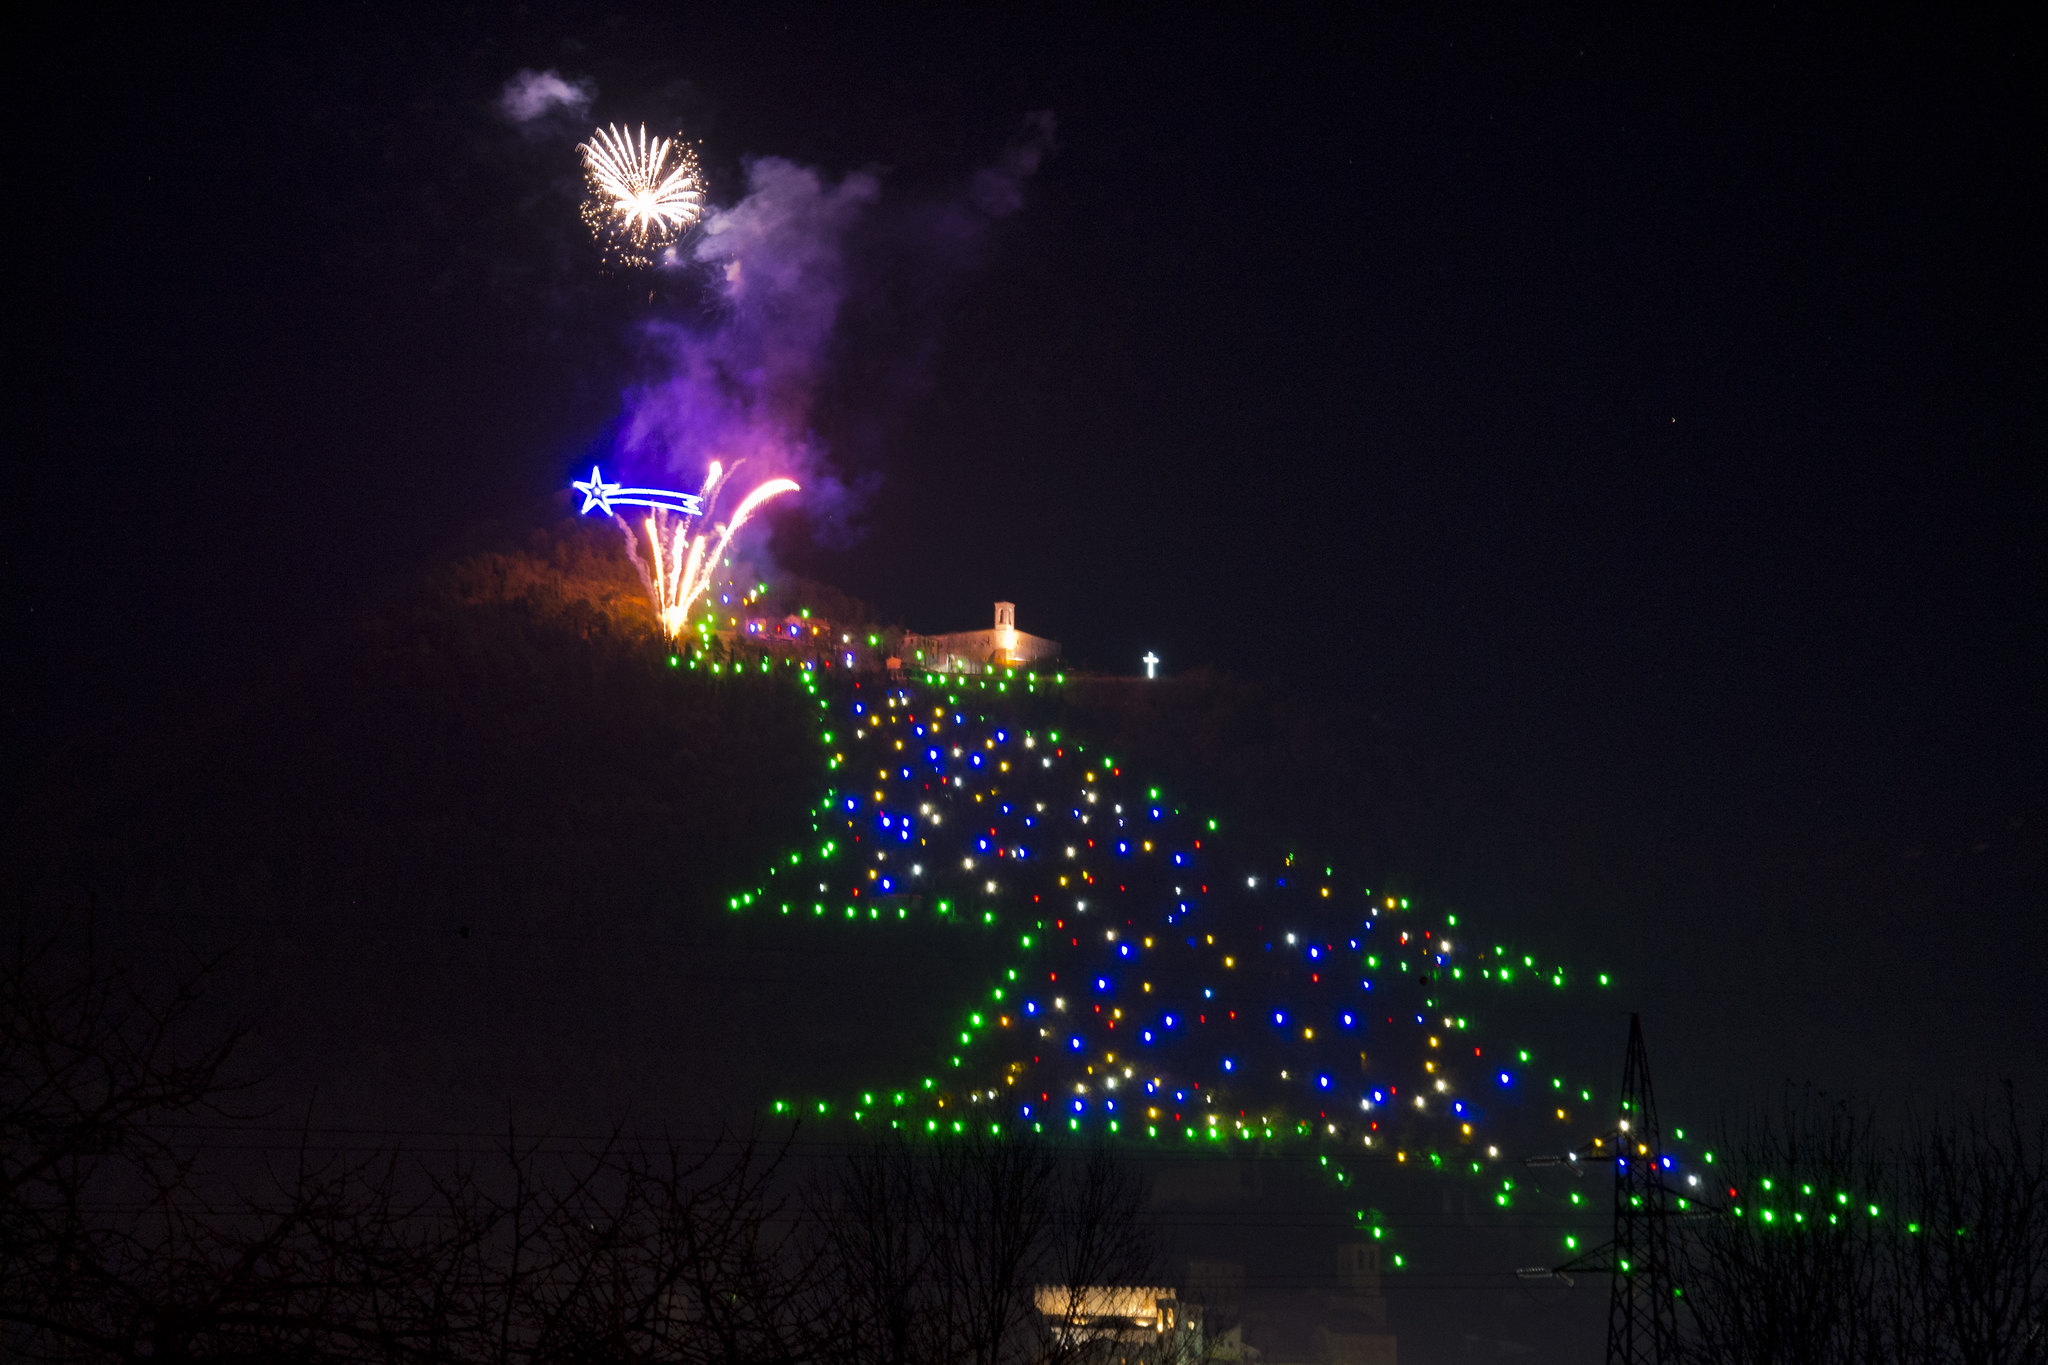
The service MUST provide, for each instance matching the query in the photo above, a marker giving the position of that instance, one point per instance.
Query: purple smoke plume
(742, 387)
(532, 95)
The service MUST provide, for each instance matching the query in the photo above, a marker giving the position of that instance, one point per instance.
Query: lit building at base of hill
(1122, 1324)
(975, 651)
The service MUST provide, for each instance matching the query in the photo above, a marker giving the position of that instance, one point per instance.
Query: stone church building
(976, 651)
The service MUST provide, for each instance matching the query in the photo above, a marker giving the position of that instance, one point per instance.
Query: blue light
(1504, 1078)
(1347, 1021)
(1077, 1106)
(1148, 1035)
(1323, 1081)
(1031, 1007)
(1101, 983)
(604, 496)
(1123, 950)
(1169, 1021)
(1076, 1044)
(1279, 1018)
(1228, 1064)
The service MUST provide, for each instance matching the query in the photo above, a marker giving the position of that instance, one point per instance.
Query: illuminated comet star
(684, 560)
(605, 496)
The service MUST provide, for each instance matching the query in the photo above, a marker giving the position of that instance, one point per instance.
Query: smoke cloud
(782, 263)
(998, 190)
(741, 389)
(533, 95)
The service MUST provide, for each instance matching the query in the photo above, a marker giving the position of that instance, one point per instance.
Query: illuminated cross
(1151, 662)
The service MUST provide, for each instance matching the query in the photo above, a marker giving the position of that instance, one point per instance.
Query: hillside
(465, 856)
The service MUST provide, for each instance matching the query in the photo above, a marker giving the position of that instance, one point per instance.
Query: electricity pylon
(1642, 1309)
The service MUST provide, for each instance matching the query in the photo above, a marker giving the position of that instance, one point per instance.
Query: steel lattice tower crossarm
(1642, 1310)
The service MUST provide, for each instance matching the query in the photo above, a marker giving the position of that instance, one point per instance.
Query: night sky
(1639, 415)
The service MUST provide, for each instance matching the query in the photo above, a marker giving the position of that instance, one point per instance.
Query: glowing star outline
(605, 496)
(596, 492)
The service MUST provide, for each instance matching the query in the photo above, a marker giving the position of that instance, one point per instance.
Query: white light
(1151, 662)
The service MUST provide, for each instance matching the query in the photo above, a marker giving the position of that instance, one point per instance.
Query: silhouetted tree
(123, 1236)
(1832, 1241)
(938, 1251)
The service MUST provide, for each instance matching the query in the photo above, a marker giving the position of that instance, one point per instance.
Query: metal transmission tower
(1642, 1316)
(1642, 1310)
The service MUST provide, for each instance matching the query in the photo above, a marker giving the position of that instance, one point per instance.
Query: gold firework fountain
(686, 545)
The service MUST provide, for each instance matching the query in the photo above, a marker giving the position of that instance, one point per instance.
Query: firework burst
(643, 191)
(683, 560)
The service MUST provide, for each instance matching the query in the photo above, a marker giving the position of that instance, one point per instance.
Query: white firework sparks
(643, 190)
(685, 560)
